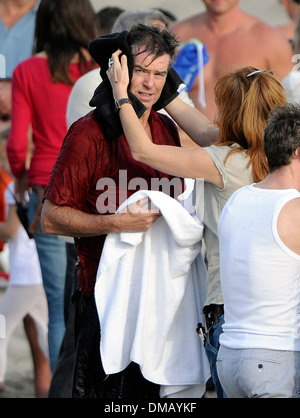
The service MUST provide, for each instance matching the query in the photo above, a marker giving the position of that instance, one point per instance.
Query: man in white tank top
(259, 234)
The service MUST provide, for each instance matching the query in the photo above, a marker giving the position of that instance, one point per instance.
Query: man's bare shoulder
(262, 29)
(293, 207)
(277, 50)
(245, 23)
(288, 225)
(192, 20)
(189, 27)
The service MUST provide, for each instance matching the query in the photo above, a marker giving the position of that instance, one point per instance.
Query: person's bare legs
(16, 304)
(42, 371)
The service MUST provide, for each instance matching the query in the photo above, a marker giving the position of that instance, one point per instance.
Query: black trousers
(90, 380)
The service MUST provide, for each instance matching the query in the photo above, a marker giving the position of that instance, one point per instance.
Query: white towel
(149, 293)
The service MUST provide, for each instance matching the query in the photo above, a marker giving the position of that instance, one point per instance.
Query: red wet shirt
(94, 174)
(38, 102)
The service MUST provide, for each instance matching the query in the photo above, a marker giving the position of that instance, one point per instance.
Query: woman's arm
(17, 143)
(194, 123)
(182, 162)
(9, 228)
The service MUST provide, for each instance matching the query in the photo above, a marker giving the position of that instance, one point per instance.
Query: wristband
(120, 102)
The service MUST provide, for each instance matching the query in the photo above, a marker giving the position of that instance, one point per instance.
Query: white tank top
(260, 276)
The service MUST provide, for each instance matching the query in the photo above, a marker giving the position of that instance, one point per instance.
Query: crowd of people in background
(90, 95)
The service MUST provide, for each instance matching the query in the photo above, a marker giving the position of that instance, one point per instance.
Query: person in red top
(95, 173)
(41, 86)
(42, 103)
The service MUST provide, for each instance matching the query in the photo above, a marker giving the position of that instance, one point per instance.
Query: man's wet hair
(282, 135)
(154, 40)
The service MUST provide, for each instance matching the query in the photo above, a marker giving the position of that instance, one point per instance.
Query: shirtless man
(233, 39)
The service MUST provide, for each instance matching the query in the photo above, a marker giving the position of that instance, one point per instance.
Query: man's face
(148, 77)
(220, 7)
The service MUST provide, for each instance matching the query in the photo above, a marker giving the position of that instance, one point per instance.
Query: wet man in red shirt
(95, 173)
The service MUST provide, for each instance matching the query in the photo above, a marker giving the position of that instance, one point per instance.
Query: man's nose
(149, 80)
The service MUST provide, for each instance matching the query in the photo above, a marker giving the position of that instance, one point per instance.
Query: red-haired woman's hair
(244, 101)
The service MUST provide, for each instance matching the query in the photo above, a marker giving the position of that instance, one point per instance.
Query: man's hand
(63, 220)
(135, 217)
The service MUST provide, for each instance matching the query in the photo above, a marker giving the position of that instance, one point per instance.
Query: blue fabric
(53, 260)
(187, 63)
(212, 347)
(17, 42)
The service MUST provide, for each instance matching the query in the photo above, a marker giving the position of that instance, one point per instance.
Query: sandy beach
(19, 378)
